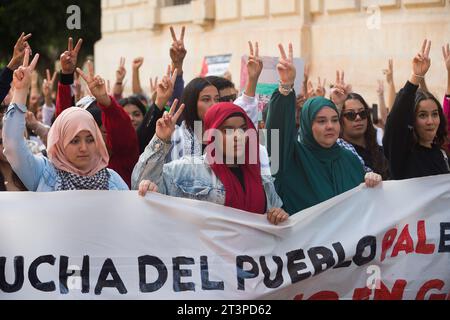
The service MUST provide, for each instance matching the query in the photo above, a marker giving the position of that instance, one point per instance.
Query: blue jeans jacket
(36, 172)
(188, 177)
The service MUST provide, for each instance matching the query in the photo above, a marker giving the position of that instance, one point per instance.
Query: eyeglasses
(229, 98)
(351, 115)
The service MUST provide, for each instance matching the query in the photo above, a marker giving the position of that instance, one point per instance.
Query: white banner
(391, 242)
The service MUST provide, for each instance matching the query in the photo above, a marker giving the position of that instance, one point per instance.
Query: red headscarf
(254, 197)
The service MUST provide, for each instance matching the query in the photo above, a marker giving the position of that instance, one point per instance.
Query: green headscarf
(326, 172)
(309, 111)
(307, 173)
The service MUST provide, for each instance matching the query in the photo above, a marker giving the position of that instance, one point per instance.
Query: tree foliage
(47, 21)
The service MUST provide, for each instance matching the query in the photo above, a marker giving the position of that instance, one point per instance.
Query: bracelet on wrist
(418, 76)
(285, 89)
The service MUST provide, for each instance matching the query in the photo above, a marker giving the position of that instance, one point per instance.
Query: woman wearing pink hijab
(77, 155)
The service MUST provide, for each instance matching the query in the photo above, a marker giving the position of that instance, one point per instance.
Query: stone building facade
(358, 36)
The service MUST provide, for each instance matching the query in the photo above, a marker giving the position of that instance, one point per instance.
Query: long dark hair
(190, 99)
(219, 82)
(441, 135)
(380, 164)
(134, 101)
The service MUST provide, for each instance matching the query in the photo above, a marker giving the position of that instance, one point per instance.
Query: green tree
(47, 21)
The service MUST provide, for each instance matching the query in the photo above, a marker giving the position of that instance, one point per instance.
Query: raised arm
(120, 76)
(446, 103)
(398, 135)
(120, 134)
(306, 72)
(446, 54)
(382, 104)
(6, 76)
(389, 73)
(164, 90)
(28, 167)
(40, 129)
(247, 100)
(69, 58)
(340, 90)
(48, 109)
(177, 55)
(151, 162)
(177, 50)
(136, 82)
(281, 115)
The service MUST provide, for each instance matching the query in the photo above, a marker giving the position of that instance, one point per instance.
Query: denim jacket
(36, 172)
(189, 177)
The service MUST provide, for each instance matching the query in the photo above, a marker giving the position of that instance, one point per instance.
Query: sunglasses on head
(351, 115)
(229, 98)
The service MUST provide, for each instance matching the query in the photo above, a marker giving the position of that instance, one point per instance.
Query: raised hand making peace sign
(96, 85)
(121, 71)
(164, 89)
(166, 125)
(22, 76)
(285, 66)
(120, 76)
(340, 90)
(254, 69)
(254, 63)
(153, 87)
(177, 50)
(69, 58)
(19, 51)
(47, 87)
(320, 90)
(389, 72)
(421, 62)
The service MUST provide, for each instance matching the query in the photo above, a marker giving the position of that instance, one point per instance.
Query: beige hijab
(67, 125)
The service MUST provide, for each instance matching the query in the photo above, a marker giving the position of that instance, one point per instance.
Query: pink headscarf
(67, 125)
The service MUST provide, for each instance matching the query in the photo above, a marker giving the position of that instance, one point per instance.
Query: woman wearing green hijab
(312, 167)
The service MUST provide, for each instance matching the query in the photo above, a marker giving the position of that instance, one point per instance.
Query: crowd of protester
(203, 140)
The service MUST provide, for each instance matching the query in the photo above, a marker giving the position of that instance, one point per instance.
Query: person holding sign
(229, 171)
(77, 155)
(416, 128)
(314, 168)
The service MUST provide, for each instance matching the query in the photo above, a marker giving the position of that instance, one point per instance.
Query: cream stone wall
(357, 36)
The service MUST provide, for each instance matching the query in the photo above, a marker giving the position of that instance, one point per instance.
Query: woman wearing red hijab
(228, 173)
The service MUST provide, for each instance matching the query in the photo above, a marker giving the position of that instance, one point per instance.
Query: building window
(176, 2)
